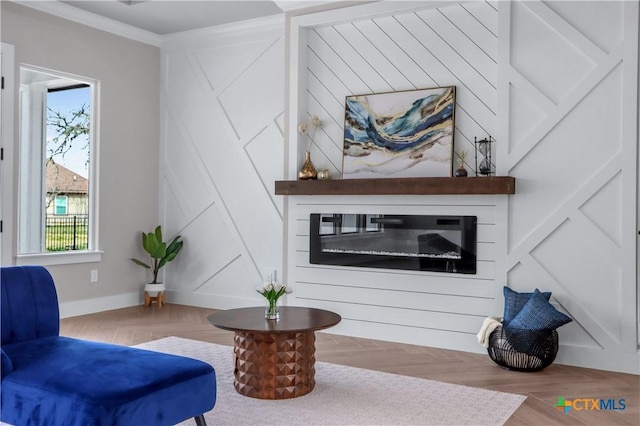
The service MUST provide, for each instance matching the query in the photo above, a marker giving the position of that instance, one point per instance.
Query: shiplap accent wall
(556, 83)
(453, 44)
(446, 46)
(540, 77)
(429, 308)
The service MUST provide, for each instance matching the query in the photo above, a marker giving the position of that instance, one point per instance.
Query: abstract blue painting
(399, 134)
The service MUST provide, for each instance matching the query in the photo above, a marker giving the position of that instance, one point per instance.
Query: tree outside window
(55, 164)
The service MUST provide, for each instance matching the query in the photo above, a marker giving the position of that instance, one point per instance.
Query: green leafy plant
(159, 251)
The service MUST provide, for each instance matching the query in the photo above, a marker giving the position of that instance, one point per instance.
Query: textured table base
(274, 366)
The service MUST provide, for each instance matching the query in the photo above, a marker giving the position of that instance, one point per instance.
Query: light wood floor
(139, 324)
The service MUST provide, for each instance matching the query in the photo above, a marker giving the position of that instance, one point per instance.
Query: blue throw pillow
(514, 302)
(538, 314)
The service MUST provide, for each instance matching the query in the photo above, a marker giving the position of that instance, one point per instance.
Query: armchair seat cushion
(63, 381)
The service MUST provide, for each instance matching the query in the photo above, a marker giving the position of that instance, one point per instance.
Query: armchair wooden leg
(200, 421)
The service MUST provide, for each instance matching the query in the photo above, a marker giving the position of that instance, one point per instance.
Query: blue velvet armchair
(48, 379)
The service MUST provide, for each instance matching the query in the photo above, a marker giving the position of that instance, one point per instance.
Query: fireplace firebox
(410, 242)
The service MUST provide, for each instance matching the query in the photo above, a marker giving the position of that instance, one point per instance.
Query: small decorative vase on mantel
(308, 170)
(461, 171)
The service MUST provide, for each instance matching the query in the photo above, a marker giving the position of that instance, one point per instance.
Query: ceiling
(164, 17)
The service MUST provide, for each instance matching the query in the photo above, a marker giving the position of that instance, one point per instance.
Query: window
(61, 204)
(57, 163)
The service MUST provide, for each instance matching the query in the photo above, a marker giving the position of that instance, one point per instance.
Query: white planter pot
(154, 289)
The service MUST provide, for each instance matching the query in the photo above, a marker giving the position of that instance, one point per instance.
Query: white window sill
(64, 258)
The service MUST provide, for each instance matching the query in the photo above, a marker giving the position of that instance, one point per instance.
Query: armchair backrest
(29, 304)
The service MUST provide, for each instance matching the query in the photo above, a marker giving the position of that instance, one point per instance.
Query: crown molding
(83, 17)
(292, 5)
(243, 27)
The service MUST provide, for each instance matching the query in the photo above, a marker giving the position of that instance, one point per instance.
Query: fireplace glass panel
(424, 243)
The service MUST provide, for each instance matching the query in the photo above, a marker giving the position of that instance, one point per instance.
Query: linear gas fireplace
(422, 243)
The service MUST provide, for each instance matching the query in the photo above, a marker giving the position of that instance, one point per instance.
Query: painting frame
(399, 134)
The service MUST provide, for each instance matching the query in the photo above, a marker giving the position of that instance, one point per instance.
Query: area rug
(346, 396)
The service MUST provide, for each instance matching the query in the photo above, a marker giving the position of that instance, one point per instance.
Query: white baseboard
(408, 335)
(568, 355)
(99, 304)
(210, 300)
(598, 359)
(125, 300)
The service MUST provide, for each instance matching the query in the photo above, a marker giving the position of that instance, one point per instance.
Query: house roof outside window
(64, 181)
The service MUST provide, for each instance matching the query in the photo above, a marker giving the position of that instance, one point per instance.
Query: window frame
(92, 253)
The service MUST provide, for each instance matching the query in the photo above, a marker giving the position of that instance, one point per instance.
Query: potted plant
(161, 253)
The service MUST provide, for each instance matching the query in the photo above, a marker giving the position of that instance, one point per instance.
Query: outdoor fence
(67, 232)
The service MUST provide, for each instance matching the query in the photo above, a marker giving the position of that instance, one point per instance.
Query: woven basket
(523, 350)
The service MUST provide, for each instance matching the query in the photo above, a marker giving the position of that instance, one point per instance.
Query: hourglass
(483, 147)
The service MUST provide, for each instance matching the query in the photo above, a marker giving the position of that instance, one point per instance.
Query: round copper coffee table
(274, 359)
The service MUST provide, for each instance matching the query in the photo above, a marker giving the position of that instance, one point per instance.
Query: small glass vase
(272, 309)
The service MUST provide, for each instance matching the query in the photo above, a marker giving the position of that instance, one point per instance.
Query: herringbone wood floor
(138, 324)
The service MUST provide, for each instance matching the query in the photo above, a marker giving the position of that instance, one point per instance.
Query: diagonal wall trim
(267, 190)
(533, 93)
(393, 51)
(197, 285)
(453, 64)
(556, 217)
(557, 114)
(465, 44)
(221, 91)
(440, 74)
(228, 118)
(485, 70)
(249, 65)
(369, 48)
(322, 48)
(566, 30)
(402, 40)
(481, 21)
(463, 30)
(323, 112)
(247, 252)
(609, 251)
(221, 201)
(201, 72)
(357, 62)
(601, 336)
(234, 222)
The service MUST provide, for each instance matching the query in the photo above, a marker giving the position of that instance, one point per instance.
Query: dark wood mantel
(399, 186)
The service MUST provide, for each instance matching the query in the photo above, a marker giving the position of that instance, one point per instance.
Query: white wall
(521, 76)
(556, 84)
(222, 148)
(570, 93)
(129, 76)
